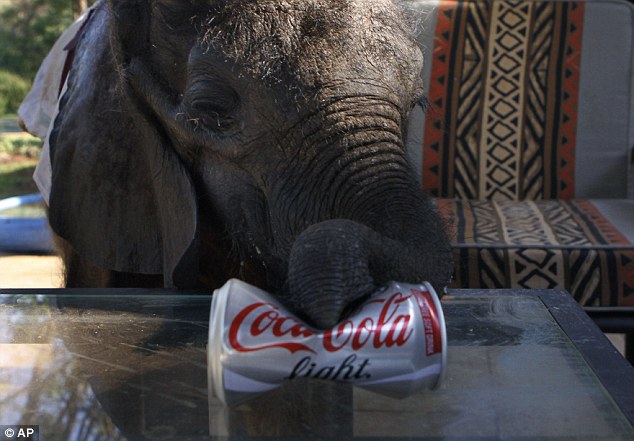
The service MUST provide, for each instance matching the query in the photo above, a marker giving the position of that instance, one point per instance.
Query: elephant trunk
(336, 263)
(377, 227)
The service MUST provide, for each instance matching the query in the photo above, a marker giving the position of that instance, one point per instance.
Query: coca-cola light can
(395, 343)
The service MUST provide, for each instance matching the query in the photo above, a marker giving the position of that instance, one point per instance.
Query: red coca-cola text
(269, 319)
(430, 323)
(389, 328)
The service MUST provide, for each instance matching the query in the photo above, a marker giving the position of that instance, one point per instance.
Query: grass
(15, 142)
(19, 144)
(19, 153)
(16, 177)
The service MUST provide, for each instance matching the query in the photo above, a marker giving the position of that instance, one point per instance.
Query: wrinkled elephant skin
(260, 139)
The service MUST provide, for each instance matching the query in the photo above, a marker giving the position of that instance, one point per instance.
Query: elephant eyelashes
(216, 111)
(213, 121)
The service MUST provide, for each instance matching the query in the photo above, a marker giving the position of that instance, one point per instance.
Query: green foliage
(20, 144)
(28, 29)
(17, 178)
(12, 91)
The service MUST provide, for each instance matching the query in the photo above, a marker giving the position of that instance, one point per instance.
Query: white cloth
(40, 107)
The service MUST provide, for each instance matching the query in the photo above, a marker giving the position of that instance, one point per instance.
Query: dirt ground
(18, 271)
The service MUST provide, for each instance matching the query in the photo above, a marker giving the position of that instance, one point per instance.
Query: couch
(526, 142)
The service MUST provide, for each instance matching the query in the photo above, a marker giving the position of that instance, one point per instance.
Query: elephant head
(205, 139)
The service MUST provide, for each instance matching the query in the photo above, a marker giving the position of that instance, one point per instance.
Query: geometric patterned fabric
(500, 142)
(503, 100)
(540, 244)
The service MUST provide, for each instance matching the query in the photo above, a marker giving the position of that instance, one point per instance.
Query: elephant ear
(120, 194)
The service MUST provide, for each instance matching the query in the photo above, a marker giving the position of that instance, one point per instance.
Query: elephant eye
(215, 111)
(211, 119)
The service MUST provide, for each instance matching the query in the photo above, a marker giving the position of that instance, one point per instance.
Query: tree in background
(28, 29)
(79, 6)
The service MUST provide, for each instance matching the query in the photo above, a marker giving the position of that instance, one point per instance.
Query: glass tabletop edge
(605, 361)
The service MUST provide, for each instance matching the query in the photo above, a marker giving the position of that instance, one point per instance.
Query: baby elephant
(207, 139)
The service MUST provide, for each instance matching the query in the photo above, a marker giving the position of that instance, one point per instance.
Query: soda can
(394, 344)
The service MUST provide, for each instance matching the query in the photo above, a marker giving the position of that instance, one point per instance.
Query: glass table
(131, 365)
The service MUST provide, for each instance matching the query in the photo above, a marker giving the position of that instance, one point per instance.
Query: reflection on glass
(134, 367)
(510, 346)
(38, 384)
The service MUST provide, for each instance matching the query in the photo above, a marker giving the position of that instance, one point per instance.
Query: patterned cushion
(528, 99)
(527, 136)
(584, 246)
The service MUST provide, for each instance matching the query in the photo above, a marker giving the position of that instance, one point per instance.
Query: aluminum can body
(395, 343)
